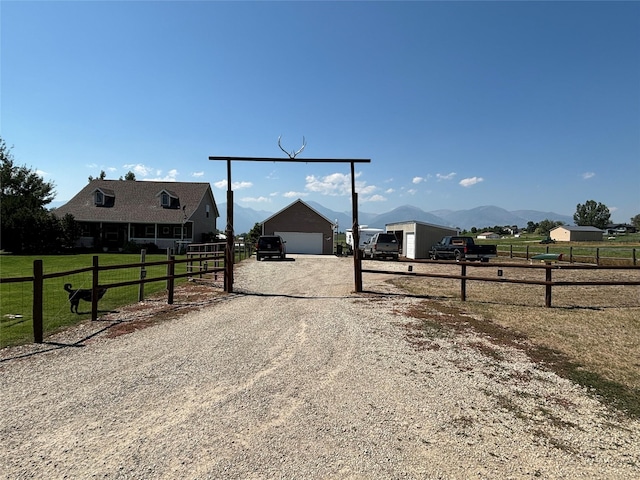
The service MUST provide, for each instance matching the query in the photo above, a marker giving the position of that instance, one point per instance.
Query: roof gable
(299, 201)
(573, 228)
(139, 201)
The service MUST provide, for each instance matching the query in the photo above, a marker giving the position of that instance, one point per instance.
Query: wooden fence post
(143, 274)
(94, 290)
(38, 287)
(633, 255)
(171, 281)
(463, 283)
(169, 255)
(527, 256)
(570, 254)
(597, 255)
(547, 294)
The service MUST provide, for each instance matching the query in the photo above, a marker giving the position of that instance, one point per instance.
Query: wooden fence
(575, 254)
(38, 278)
(548, 282)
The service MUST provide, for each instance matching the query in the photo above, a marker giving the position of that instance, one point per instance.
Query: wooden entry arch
(229, 253)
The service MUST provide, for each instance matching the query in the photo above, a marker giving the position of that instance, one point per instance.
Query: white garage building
(416, 238)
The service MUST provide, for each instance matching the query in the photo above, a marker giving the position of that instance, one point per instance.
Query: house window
(165, 199)
(149, 231)
(99, 198)
(165, 230)
(207, 210)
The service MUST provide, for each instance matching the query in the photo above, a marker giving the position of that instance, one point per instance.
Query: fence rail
(36, 281)
(548, 282)
(573, 254)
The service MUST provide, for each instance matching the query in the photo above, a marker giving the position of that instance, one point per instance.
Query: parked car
(270, 246)
(382, 245)
(547, 240)
(462, 248)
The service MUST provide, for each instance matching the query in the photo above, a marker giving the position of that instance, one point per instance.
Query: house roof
(137, 201)
(417, 222)
(573, 228)
(294, 203)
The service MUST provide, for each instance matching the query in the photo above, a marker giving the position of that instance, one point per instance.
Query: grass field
(16, 325)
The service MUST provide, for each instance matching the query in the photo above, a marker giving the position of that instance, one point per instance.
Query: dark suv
(270, 246)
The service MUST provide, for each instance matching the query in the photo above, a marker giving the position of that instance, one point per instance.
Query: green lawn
(620, 248)
(16, 325)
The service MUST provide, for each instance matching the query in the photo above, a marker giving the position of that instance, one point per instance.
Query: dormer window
(103, 197)
(168, 199)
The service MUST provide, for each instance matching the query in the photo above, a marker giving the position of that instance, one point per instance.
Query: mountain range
(479, 217)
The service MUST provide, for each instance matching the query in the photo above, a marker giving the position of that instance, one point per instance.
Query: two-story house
(167, 214)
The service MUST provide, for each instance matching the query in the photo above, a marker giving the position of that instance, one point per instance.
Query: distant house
(620, 229)
(487, 235)
(304, 229)
(167, 214)
(565, 233)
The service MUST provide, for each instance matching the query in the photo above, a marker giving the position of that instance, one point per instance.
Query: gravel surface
(295, 376)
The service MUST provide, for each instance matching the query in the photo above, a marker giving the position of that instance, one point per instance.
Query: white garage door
(411, 245)
(299, 242)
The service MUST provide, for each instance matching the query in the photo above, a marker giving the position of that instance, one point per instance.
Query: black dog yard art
(75, 295)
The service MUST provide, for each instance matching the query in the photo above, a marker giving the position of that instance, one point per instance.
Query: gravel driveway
(294, 376)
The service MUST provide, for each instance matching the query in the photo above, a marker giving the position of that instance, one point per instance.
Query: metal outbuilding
(417, 238)
(565, 233)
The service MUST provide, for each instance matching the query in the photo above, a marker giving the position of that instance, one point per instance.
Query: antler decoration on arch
(292, 155)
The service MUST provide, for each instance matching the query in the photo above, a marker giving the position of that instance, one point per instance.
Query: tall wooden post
(38, 288)
(357, 260)
(228, 257)
(143, 274)
(547, 292)
(463, 283)
(94, 289)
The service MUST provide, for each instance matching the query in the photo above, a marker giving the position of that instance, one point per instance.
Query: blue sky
(522, 105)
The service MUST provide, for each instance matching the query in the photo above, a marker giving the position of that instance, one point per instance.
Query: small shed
(304, 229)
(565, 233)
(487, 235)
(417, 238)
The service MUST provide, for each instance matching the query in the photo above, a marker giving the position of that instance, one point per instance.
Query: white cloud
(197, 174)
(468, 182)
(41, 173)
(588, 175)
(412, 191)
(255, 199)
(417, 180)
(141, 170)
(337, 184)
(169, 177)
(389, 191)
(222, 185)
(448, 176)
(375, 198)
(294, 194)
